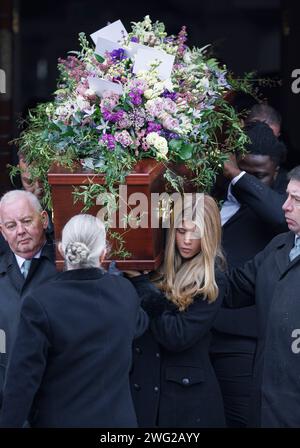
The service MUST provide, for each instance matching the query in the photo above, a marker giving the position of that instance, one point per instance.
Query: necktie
(296, 249)
(25, 267)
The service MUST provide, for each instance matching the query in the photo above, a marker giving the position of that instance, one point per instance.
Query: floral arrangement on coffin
(175, 118)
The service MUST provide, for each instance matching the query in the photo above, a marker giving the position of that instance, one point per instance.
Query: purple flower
(134, 39)
(169, 39)
(136, 96)
(137, 117)
(125, 122)
(109, 141)
(171, 95)
(182, 37)
(169, 135)
(112, 116)
(124, 138)
(222, 81)
(153, 127)
(136, 99)
(118, 55)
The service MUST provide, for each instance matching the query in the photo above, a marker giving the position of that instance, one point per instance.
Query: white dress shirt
(231, 205)
(20, 260)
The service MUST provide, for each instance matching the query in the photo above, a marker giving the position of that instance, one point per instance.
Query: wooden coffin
(144, 244)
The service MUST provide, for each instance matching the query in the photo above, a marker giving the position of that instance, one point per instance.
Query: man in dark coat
(251, 216)
(271, 281)
(23, 225)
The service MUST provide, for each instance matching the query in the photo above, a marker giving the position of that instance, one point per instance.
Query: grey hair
(83, 241)
(14, 195)
(294, 174)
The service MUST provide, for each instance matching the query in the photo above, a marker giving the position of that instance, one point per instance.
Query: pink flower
(145, 145)
(124, 138)
(170, 123)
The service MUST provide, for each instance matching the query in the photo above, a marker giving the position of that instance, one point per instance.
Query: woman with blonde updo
(71, 360)
(173, 382)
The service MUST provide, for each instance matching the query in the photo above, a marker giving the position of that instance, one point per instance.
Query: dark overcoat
(258, 221)
(273, 283)
(71, 359)
(173, 382)
(13, 288)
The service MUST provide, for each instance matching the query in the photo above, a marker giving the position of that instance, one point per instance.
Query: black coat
(173, 382)
(71, 360)
(246, 233)
(13, 288)
(273, 282)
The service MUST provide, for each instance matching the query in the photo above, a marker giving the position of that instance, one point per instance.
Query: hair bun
(77, 253)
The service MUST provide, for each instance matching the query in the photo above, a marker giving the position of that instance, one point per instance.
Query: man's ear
(45, 219)
(102, 256)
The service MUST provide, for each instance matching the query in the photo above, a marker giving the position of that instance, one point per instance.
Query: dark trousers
(233, 359)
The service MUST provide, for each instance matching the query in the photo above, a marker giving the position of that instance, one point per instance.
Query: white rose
(161, 145)
(148, 94)
(152, 138)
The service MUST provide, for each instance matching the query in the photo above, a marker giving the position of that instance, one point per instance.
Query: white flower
(89, 111)
(151, 138)
(187, 57)
(186, 126)
(148, 94)
(147, 22)
(159, 143)
(82, 103)
(150, 76)
(168, 85)
(104, 126)
(90, 93)
(204, 83)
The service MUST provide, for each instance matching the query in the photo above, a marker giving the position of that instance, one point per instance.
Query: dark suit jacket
(259, 219)
(272, 282)
(173, 382)
(13, 288)
(71, 360)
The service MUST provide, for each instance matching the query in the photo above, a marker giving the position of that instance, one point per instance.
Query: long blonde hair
(182, 280)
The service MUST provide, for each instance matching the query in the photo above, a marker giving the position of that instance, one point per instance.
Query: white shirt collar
(231, 206)
(20, 260)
